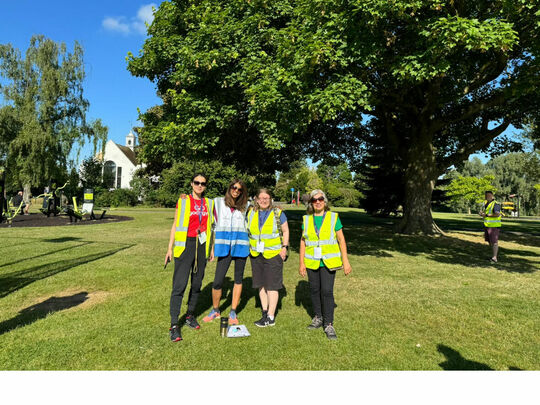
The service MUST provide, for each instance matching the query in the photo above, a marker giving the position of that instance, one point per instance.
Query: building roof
(129, 154)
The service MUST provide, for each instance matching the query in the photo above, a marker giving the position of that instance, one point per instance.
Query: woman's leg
(314, 277)
(264, 299)
(327, 293)
(273, 297)
(182, 267)
(197, 277)
(239, 266)
(217, 286)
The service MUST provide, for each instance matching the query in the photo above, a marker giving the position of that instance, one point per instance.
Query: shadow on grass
(35, 312)
(302, 297)
(455, 361)
(11, 282)
(22, 259)
(62, 240)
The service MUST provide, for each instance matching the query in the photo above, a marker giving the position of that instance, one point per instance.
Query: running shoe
(316, 322)
(330, 332)
(211, 316)
(174, 333)
(233, 320)
(263, 322)
(270, 322)
(192, 322)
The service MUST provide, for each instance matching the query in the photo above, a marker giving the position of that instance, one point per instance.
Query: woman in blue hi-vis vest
(232, 243)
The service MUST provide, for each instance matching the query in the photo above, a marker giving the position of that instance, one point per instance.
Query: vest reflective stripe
(331, 255)
(491, 222)
(268, 234)
(182, 224)
(231, 232)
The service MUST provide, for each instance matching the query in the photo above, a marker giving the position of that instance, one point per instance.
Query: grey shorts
(267, 273)
(491, 235)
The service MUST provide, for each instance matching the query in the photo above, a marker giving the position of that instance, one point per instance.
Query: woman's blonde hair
(256, 201)
(310, 209)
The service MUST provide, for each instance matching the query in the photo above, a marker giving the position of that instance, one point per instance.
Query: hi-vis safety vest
(269, 234)
(182, 224)
(231, 232)
(327, 241)
(491, 222)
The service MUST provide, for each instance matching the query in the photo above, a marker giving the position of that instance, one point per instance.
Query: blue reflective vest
(231, 232)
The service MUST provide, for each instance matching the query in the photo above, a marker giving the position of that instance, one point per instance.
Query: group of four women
(227, 229)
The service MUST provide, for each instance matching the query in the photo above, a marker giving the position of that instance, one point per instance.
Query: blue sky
(107, 30)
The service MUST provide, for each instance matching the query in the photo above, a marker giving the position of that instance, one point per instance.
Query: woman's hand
(347, 268)
(168, 256)
(283, 253)
(302, 269)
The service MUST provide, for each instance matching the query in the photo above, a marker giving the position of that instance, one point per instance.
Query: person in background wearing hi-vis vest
(268, 249)
(492, 223)
(189, 243)
(232, 243)
(323, 251)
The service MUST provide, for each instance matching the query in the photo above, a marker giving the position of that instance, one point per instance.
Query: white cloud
(137, 24)
(115, 24)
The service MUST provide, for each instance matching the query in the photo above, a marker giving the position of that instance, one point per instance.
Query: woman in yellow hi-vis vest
(322, 251)
(189, 243)
(268, 233)
(492, 223)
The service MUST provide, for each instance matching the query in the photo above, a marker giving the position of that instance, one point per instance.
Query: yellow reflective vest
(326, 240)
(491, 222)
(182, 224)
(268, 234)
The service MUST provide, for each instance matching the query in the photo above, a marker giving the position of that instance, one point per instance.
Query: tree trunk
(420, 177)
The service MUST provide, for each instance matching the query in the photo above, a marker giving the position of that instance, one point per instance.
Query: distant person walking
(189, 243)
(492, 224)
(232, 243)
(269, 242)
(323, 251)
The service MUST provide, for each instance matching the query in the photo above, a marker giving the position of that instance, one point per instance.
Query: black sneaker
(330, 332)
(270, 322)
(174, 333)
(316, 323)
(192, 322)
(263, 322)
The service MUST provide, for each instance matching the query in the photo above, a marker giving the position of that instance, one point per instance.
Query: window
(109, 173)
(119, 177)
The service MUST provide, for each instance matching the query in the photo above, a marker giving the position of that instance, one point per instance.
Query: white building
(120, 162)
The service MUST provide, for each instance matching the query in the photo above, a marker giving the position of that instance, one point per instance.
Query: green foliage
(91, 172)
(45, 111)
(120, 197)
(469, 192)
(435, 80)
(177, 180)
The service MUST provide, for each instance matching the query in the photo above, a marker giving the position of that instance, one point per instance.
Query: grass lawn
(97, 297)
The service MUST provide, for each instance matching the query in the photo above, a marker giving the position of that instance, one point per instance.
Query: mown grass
(96, 297)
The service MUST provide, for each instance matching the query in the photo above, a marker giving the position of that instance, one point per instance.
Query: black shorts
(267, 273)
(491, 235)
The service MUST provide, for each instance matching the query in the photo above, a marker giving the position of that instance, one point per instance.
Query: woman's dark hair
(241, 201)
(197, 174)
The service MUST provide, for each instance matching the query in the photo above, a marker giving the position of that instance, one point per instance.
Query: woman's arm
(285, 230)
(302, 269)
(169, 255)
(343, 249)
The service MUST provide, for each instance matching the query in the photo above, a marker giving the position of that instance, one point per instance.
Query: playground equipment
(510, 208)
(87, 207)
(11, 212)
(51, 200)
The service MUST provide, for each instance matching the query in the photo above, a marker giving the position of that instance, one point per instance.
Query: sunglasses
(199, 183)
(320, 199)
(239, 189)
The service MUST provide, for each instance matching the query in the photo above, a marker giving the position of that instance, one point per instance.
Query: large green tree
(435, 80)
(44, 111)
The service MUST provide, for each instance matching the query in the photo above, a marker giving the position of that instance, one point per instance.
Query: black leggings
(321, 286)
(223, 266)
(183, 267)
